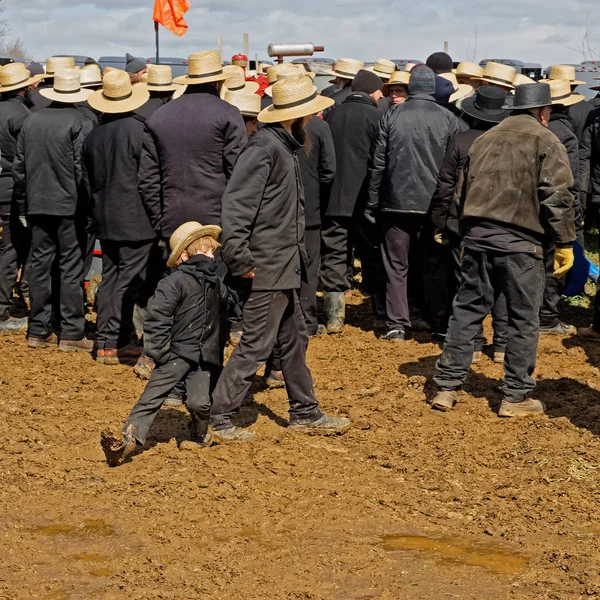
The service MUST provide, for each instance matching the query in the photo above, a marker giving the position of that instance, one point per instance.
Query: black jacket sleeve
(446, 188)
(149, 184)
(234, 143)
(159, 320)
(240, 205)
(19, 174)
(327, 164)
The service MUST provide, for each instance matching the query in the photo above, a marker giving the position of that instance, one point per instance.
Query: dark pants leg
(398, 231)
(552, 291)
(156, 269)
(367, 240)
(8, 267)
(269, 317)
(242, 288)
(484, 274)
(123, 273)
(308, 289)
(336, 253)
(499, 325)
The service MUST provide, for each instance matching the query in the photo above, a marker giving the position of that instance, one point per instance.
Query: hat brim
(213, 231)
(526, 107)
(495, 82)
(570, 100)
(187, 80)
(139, 97)
(379, 73)
(71, 98)
(22, 85)
(179, 91)
(162, 88)
(277, 115)
(91, 84)
(340, 75)
(462, 92)
(250, 87)
(489, 116)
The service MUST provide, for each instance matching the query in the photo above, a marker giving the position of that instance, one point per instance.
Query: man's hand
(23, 221)
(563, 261)
(250, 274)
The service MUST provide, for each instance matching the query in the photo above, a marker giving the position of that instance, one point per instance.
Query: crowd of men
(460, 190)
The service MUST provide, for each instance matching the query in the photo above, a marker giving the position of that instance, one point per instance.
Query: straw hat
(383, 68)
(562, 93)
(564, 72)
(249, 104)
(160, 79)
(468, 69)
(522, 80)
(118, 95)
(14, 76)
(237, 81)
(67, 88)
(57, 63)
(179, 92)
(109, 69)
(293, 98)
(284, 71)
(461, 90)
(187, 233)
(347, 68)
(203, 67)
(90, 76)
(498, 74)
(398, 78)
(408, 67)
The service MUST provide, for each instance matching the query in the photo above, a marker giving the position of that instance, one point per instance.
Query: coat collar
(359, 98)
(279, 131)
(563, 118)
(199, 265)
(426, 97)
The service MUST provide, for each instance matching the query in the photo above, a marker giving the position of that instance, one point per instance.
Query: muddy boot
(324, 423)
(274, 379)
(175, 398)
(335, 311)
(445, 400)
(83, 345)
(234, 434)
(144, 367)
(46, 342)
(117, 447)
(12, 324)
(499, 357)
(525, 408)
(477, 356)
(199, 433)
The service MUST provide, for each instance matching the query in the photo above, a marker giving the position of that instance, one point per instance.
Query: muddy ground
(410, 503)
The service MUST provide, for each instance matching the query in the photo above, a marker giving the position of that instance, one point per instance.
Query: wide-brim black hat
(531, 95)
(486, 105)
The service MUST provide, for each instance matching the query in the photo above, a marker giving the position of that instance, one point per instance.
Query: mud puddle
(448, 549)
(90, 527)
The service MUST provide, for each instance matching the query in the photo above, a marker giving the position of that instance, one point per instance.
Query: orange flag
(169, 13)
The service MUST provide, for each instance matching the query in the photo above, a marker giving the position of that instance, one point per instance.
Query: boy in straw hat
(161, 88)
(111, 155)
(249, 105)
(15, 80)
(182, 337)
(263, 240)
(50, 194)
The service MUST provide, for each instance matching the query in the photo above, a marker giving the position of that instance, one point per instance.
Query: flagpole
(157, 47)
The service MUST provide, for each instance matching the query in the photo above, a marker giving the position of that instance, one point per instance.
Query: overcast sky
(531, 31)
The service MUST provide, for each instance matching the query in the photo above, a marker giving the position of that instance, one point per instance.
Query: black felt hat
(531, 95)
(486, 105)
(133, 64)
(439, 62)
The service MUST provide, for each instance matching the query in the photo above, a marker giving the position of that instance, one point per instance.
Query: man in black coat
(190, 148)
(353, 126)
(402, 182)
(50, 193)
(15, 242)
(263, 240)
(111, 155)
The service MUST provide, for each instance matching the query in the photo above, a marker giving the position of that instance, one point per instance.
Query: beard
(300, 135)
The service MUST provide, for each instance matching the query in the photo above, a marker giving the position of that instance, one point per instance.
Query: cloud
(537, 31)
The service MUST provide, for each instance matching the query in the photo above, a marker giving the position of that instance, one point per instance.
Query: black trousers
(123, 274)
(269, 317)
(399, 231)
(56, 236)
(308, 289)
(484, 275)
(14, 250)
(199, 380)
(339, 236)
(553, 288)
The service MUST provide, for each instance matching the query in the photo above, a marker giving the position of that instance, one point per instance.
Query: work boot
(335, 311)
(321, 329)
(117, 447)
(588, 334)
(114, 356)
(83, 345)
(45, 342)
(477, 356)
(499, 357)
(175, 398)
(12, 324)
(234, 434)
(324, 422)
(274, 379)
(394, 335)
(199, 433)
(445, 400)
(559, 329)
(525, 408)
(144, 367)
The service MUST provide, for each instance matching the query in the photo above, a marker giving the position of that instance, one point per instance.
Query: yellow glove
(563, 261)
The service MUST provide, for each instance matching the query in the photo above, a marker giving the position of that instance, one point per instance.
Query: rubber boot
(335, 311)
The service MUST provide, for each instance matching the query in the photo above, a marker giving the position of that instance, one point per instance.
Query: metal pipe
(281, 50)
(220, 46)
